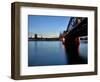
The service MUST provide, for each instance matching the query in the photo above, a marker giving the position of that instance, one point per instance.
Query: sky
(47, 26)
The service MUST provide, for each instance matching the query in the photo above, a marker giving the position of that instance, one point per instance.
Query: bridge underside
(79, 30)
(72, 40)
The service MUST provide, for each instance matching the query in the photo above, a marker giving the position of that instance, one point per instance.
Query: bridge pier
(72, 51)
(72, 43)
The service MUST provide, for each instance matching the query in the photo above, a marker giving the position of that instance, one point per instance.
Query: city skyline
(47, 26)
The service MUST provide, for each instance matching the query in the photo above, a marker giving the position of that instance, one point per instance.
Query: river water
(44, 53)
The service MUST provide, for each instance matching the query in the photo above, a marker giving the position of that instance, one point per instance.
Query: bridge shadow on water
(73, 55)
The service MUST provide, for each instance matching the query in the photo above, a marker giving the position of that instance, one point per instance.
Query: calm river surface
(43, 53)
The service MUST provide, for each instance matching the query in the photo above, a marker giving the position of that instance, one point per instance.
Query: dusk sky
(47, 26)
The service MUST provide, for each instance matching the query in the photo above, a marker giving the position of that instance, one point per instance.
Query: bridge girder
(79, 30)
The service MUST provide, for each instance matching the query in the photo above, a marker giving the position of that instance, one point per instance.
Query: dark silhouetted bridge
(77, 27)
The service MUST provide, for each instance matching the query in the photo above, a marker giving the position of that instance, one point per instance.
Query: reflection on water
(75, 54)
(43, 53)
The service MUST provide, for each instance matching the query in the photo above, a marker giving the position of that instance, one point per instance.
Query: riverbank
(43, 39)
